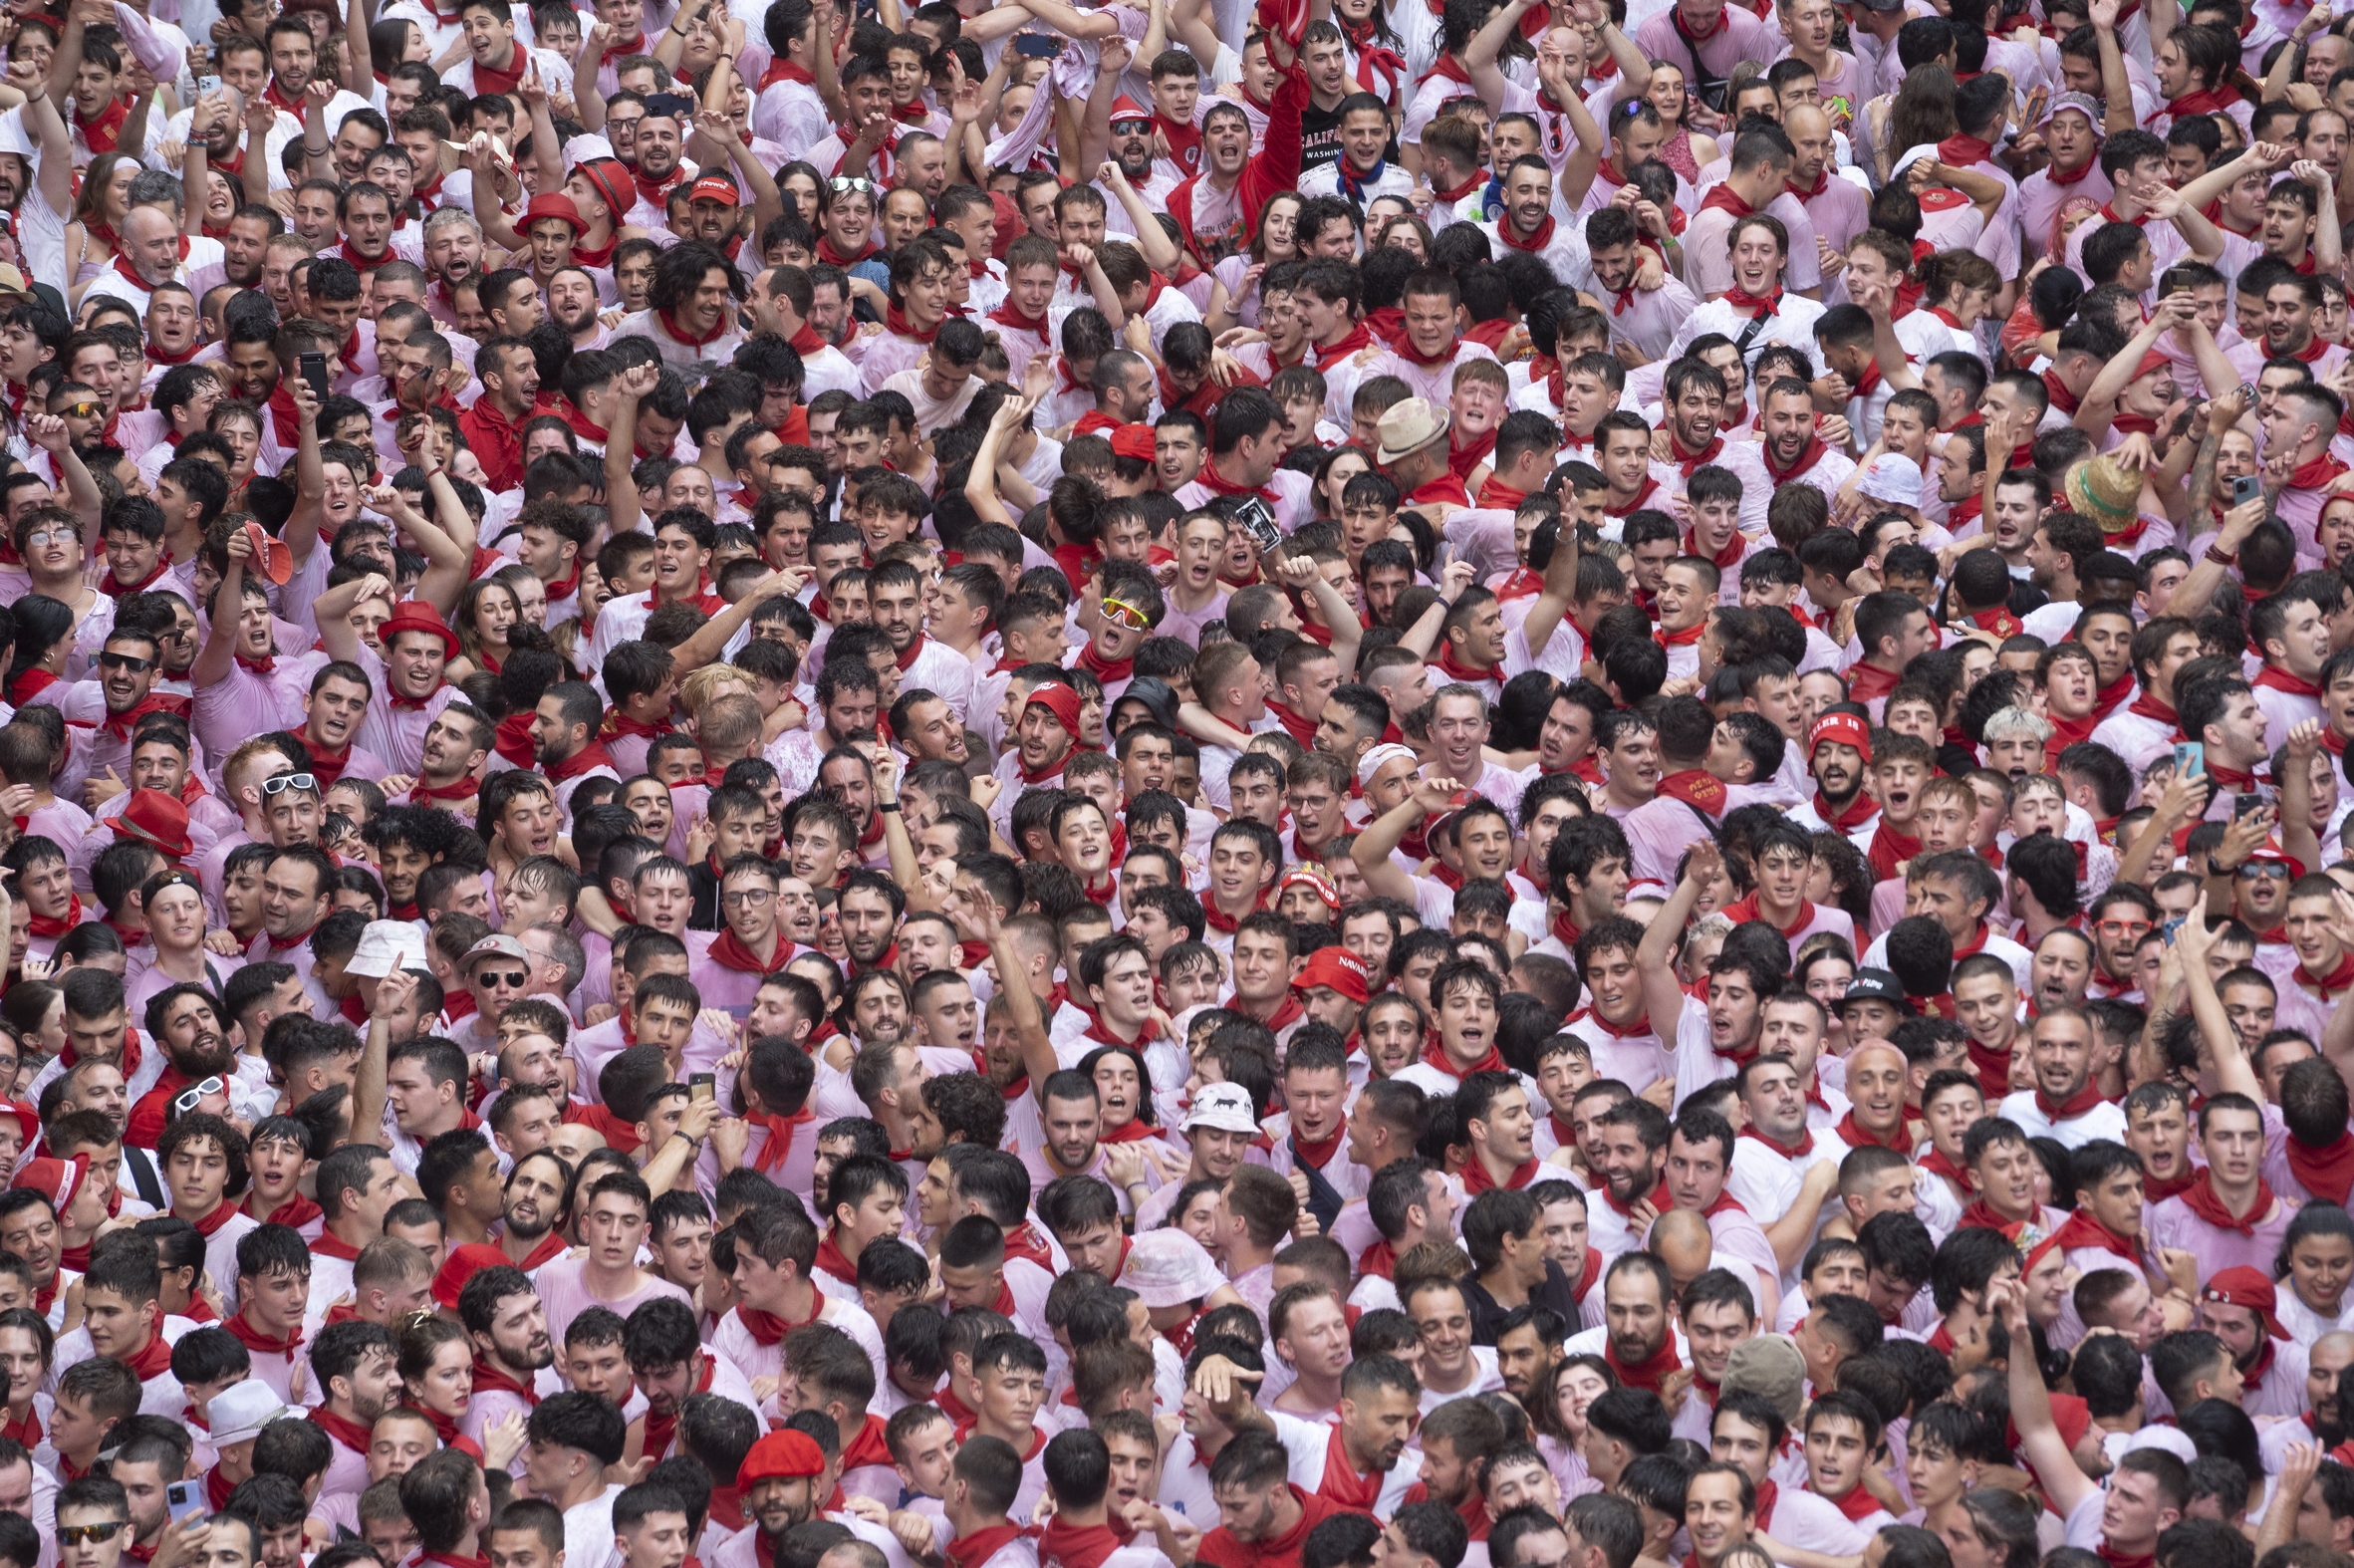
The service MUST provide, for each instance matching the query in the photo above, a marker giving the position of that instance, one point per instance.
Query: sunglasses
(2254, 869)
(1122, 613)
(189, 1099)
(511, 979)
(78, 1534)
(86, 409)
(131, 662)
(286, 781)
(851, 182)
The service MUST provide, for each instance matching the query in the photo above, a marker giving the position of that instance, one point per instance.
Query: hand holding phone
(314, 369)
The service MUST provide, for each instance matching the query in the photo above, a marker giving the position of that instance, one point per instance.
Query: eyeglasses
(78, 1534)
(747, 897)
(131, 662)
(1122, 613)
(51, 536)
(190, 1099)
(286, 781)
(2122, 927)
(85, 410)
(2255, 869)
(840, 182)
(510, 979)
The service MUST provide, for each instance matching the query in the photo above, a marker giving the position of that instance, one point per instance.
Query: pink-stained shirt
(1294, 494)
(565, 1294)
(2172, 1225)
(396, 732)
(244, 703)
(2284, 710)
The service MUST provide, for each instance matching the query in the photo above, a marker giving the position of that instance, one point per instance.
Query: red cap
(1126, 108)
(781, 1455)
(715, 187)
(1313, 879)
(1060, 701)
(2272, 850)
(461, 1265)
(2249, 1288)
(1338, 969)
(414, 615)
(553, 205)
(53, 1179)
(158, 819)
(1133, 440)
(271, 557)
(27, 1118)
(2152, 363)
(1845, 728)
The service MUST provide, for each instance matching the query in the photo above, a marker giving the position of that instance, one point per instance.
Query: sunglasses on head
(286, 781)
(189, 1099)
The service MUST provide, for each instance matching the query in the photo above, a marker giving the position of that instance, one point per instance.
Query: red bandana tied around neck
(2076, 1105)
(1649, 1373)
(2326, 1173)
(2203, 1200)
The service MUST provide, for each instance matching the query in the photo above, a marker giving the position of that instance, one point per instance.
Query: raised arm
(1479, 55)
(333, 611)
(2116, 85)
(1663, 993)
(976, 911)
(1371, 850)
(1561, 587)
(980, 488)
(218, 654)
(2100, 398)
(633, 385)
(54, 168)
(2065, 1486)
(360, 70)
(710, 638)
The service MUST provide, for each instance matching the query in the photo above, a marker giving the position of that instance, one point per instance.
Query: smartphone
(2246, 488)
(1036, 45)
(700, 1086)
(185, 1499)
(2247, 804)
(2190, 759)
(1258, 521)
(314, 369)
(208, 86)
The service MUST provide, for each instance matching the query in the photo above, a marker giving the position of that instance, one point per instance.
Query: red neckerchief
(729, 953)
(1641, 499)
(1649, 1373)
(2279, 679)
(1403, 348)
(825, 251)
(1535, 243)
(1999, 620)
(661, 1428)
(834, 1261)
(1476, 1179)
(492, 1379)
(1695, 787)
(297, 1211)
(682, 334)
(1891, 848)
(1933, 1159)
(1685, 461)
(101, 134)
(1104, 671)
(1759, 306)
(895, 320)
(1983, 1215)
(2081, 1229)
(2055, 390)
(332, 1245)
(2317, 474)
(2076, 1105)
(1858, 811)
(1458, 670)
(43, 926)
(2148, 707)
(1435, 1055)
(2326, 1173)
(1328, 354)
(28, 1430)
(1747, 909)
(1855, 1135)
(152, 1359)
(352, 1435)
(970, 1551)
(120, 725)
(1812, 453)
(255, 1340)
(1008, 315)
(2203, 1200)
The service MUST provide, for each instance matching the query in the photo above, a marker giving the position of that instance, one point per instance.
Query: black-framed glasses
(283, 782)
(129, 662)
(511, 979)
(79, 1534)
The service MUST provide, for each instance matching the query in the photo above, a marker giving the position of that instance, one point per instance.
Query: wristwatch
(2217, 869)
